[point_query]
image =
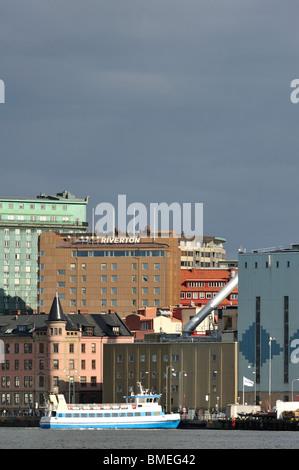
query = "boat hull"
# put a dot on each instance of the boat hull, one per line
(54, 423)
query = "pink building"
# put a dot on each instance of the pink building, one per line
(55, 353)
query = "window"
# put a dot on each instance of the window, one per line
(114, 266)
(145, 266)
(61, 272)
(114, 278)
(157, 278)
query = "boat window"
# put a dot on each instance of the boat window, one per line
(53, 413)
(76, 415)
(148, 413)
(122, 415)
(130, 414)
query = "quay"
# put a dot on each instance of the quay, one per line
(19, 421)
(259, 422)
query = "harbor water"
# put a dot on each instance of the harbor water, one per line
(173, 439)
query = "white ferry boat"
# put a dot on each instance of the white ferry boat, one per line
(139, 411)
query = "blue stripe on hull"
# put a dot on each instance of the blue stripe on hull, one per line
(169, 424)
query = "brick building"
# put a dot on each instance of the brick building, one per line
(96, 275)
(199, 286)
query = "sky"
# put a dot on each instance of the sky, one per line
(160, 100)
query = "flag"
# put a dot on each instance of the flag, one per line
(247, 382)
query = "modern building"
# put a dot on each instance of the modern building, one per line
(21, 223)
(198, 375)
(54, 353)
(268, 324)
(202, 252)
(100, 274)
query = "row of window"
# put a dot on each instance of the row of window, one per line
(22, 206)
(203, 295)
(205, 284)
(15, 398)
(114, 414)
(28, 364)
(174, 358)
(267, 264)
(33, 218)
(103, 278)
(120, 253)
(14, 348)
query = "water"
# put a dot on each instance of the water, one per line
(175, 439)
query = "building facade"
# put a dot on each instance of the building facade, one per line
(198, 375)
(21, 223)
(199, 286)
(54, 353)
(97, 275)
(202, 252)
(268, 324)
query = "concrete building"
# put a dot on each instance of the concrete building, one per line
(96, 275)
(268, 324)
(198, 375)
(54, 353)
(21, 223)
(202, 252)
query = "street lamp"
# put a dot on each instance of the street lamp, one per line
(270, 340)
(254, 372)
(181, 382)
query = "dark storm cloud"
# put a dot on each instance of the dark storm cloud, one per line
(167, 100)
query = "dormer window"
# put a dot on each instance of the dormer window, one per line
(115, 330)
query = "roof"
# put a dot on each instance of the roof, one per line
(56, 312)
(206, 274)
(98, 325)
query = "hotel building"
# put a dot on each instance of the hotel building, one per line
(100, 274)
(21, 223)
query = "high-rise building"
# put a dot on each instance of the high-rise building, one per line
(21, 223)
(100, 274)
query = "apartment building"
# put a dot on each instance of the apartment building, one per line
(54, 353)
(202, 252)
(21, 223)
(100, 274)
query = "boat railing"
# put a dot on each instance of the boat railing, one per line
(99, 406)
